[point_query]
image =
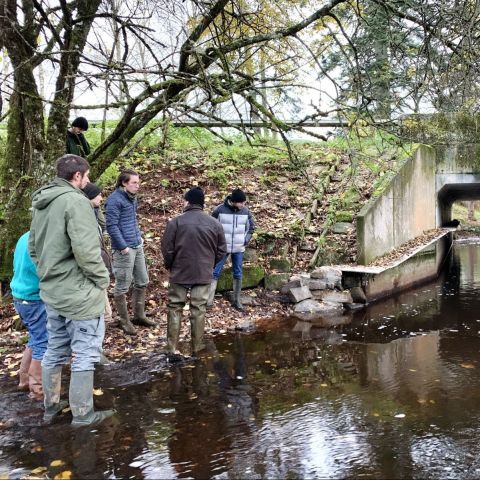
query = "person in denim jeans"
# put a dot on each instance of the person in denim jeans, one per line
(31, 309)
(128, 256)
(64, 244)
(238, 225)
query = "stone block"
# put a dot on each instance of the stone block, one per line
(297, 282)
(333, 296)
(303, 275)
(250, 255)
(322, 313)
(252, 276)
(309, 306)
(358, 295)
(342, 227)
(315, 284)
(298, 294)
(280, 265)
(330, 275)
(275, 281)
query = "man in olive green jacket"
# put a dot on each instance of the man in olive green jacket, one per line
(65, 246)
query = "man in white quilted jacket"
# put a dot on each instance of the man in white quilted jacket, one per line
(238, 225)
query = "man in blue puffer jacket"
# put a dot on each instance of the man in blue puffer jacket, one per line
(127, 246)
(238, 226)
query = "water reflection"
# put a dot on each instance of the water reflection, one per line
(393, 395)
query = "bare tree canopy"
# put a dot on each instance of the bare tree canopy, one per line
(192, 59)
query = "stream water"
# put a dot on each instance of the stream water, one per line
(394, 394)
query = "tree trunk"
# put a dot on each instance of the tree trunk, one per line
(23, 159)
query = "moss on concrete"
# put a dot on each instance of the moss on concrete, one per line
(280, 264)
(252, 276)
(275, 281)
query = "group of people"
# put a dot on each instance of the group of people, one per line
(62, 270)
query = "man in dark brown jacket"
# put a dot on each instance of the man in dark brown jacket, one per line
(191, 246)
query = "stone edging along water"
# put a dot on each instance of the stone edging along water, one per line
(329, 290)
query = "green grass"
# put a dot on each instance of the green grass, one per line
(460, 212)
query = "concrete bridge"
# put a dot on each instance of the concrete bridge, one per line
(444, 168)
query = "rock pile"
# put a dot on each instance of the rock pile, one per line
(320, 293)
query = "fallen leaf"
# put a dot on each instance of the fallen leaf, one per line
(467, 365)
(97, 391)
(65, 475)
(57, 463)
(39, 470)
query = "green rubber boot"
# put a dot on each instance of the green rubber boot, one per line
(211, 293)
(138, 304)
(123, 318)
(52, 383)
(81, 400)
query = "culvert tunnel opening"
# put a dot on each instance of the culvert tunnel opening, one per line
(459, 201)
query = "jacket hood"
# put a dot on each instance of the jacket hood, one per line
(44, 196)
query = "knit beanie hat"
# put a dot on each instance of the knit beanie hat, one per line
(91, 190)
(238, 196)
(195, 196)
(80, 122)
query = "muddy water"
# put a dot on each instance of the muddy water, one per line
(395, 394)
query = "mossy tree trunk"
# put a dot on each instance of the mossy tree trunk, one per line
(31, 152)
(25, 132)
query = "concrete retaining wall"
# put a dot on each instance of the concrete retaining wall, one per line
(422, 267)
(402, 212)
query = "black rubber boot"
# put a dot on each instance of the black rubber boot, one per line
(237, 294)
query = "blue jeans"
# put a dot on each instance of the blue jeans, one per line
(237, 260)
(80, 340)
(34, 317)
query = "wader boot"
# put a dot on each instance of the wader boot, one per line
(198, 304)
(52, 382)
(237, 294)
(138, 302)
(173, 329)
(24, 367)
(211, 293)
(122, 310)
(35, 380)
(81, 400)
(104, 360)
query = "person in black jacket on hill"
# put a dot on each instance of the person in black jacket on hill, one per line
(76, 142)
